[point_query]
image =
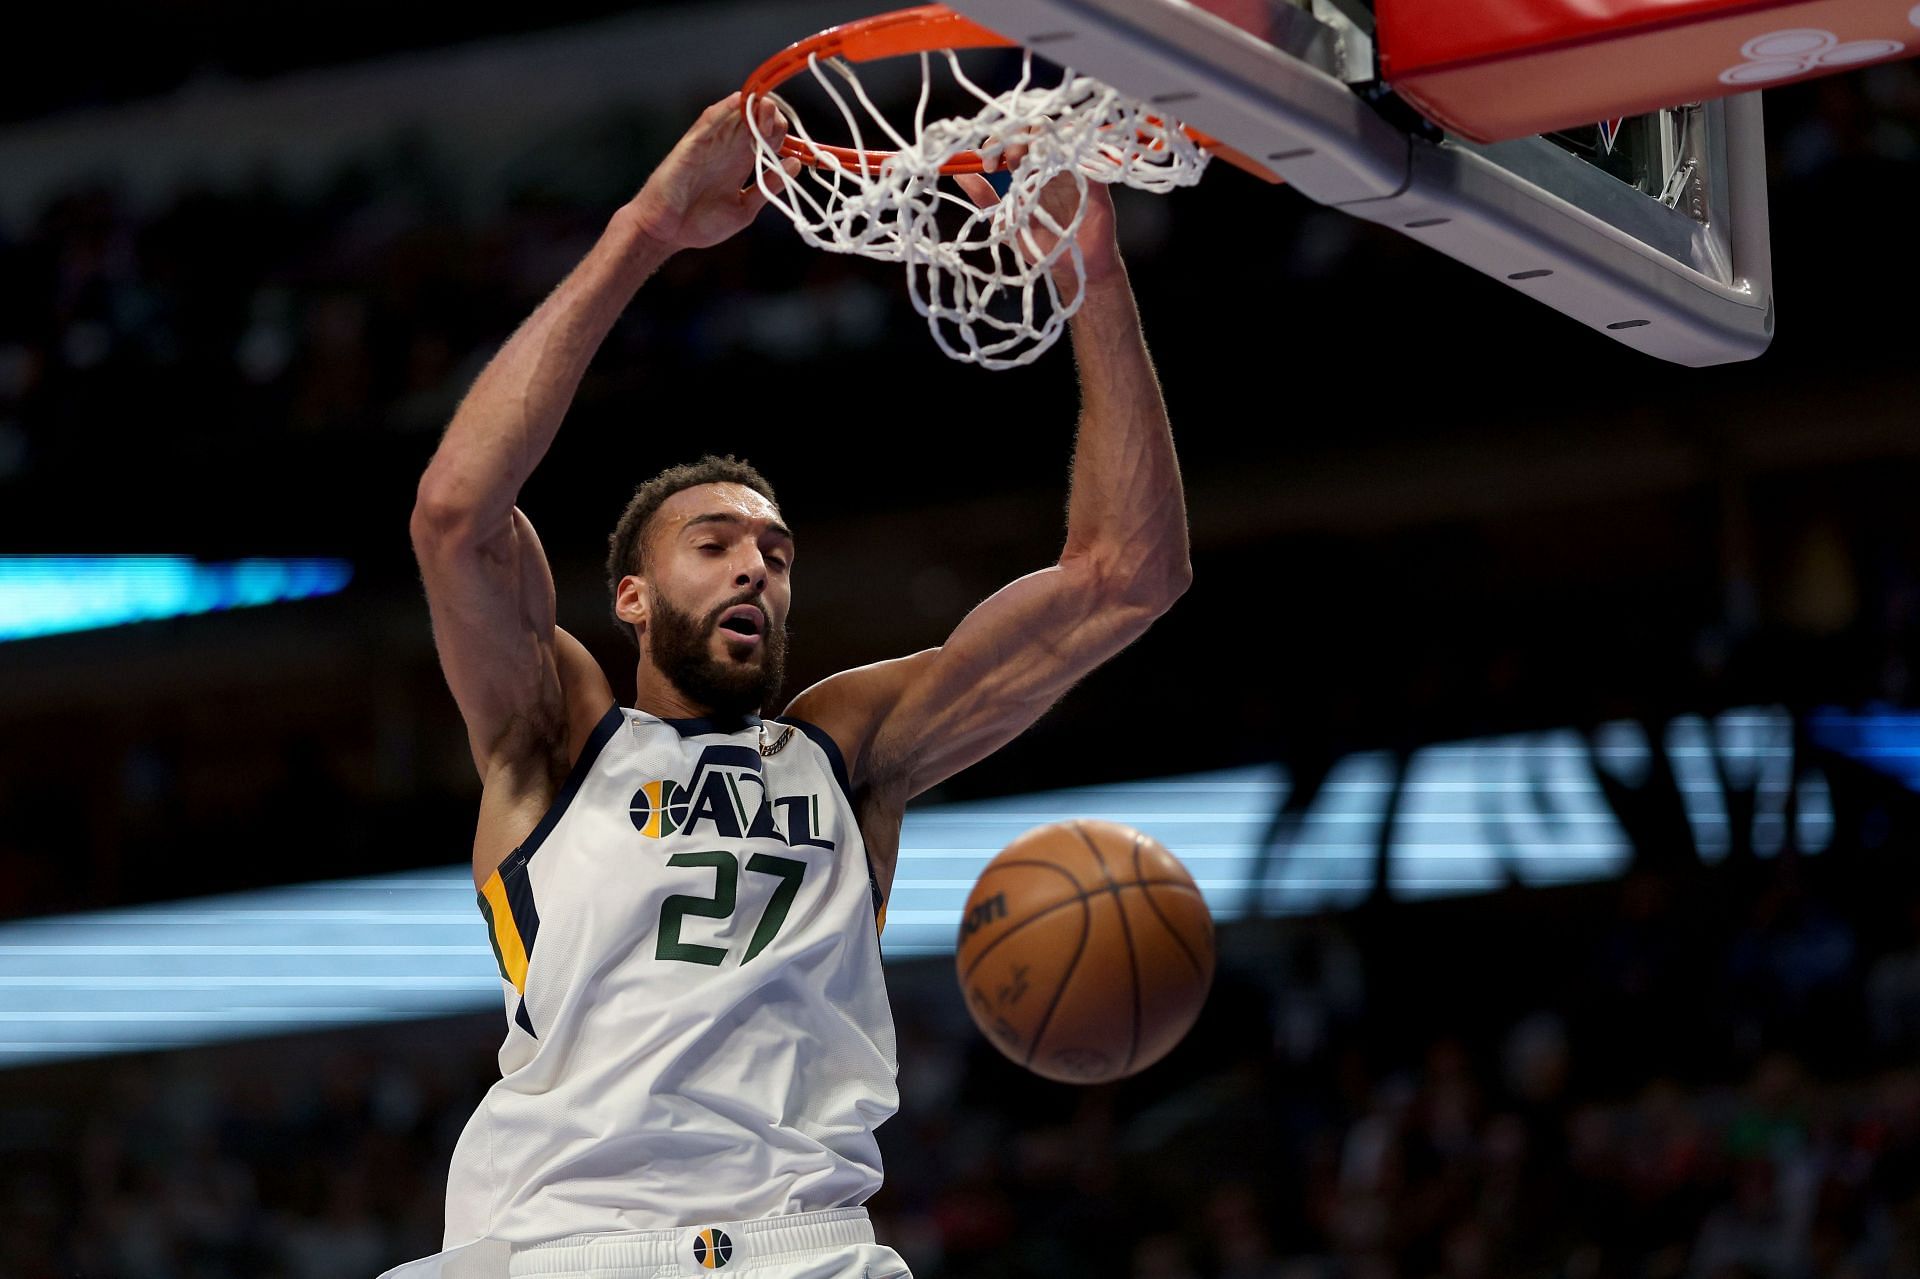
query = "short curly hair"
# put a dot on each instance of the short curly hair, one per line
(627, 548)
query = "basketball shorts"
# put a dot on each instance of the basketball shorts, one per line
(836, 1244)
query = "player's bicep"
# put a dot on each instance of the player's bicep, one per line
(1007, 662)
(491, 596)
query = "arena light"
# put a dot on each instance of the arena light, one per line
(1885, 739)
(413, 945)
(1455, 818)
(56, 594)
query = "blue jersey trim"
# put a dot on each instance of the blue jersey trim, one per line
(602, 734)
(513, 870)
(728, 724)
(832, 750)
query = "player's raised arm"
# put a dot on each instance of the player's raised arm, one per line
(489, 589)
(907, 725)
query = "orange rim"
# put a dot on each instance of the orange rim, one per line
(922, 29)
(886, 35)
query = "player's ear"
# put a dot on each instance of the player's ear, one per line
(630, 601)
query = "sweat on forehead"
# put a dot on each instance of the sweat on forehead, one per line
(712, 503)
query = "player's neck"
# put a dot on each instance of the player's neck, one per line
(656, 695)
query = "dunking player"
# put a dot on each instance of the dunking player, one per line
(684, 897)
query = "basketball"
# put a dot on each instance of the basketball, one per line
(1085, 951)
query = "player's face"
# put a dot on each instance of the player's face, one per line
(720, 582)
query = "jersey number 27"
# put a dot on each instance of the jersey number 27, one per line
(726, 881)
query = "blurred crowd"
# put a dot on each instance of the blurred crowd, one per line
(226, 316)
(1689, 1073)
(1715, 1091)
(263, 368)
(225, 313)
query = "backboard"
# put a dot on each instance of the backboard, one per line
(1650, 230)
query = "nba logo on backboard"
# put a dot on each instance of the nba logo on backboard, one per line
(712, 1249)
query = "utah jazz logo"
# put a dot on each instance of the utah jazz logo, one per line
(712, 1249)
(727, 793)
(659, 809)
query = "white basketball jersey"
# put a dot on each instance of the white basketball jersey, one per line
(698, 1026)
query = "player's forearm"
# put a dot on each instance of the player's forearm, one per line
(509, 417)
(1127, 507)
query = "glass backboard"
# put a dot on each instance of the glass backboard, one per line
(1651, 230)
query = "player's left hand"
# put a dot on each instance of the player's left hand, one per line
(1099, 249)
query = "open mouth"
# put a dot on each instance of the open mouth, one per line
(743, 621)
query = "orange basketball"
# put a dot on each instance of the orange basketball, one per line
(1085, 951)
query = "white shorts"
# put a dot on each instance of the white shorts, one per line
(836, 1244)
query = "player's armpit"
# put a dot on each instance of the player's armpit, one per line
(912, 723)
(850, 705)
(585, 688)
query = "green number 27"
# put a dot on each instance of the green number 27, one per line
(726, 880)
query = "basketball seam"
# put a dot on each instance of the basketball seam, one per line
(1027, 861)
(1081, 896)
(1159, 914)
(1086, 928)
(1126, 934)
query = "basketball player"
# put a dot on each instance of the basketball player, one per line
(684, 897)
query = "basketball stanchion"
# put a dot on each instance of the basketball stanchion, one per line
(996, 285)
(1085, 952)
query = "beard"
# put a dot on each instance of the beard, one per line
(679, 643)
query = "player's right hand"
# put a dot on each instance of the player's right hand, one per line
(703, 192)
(1061, 198)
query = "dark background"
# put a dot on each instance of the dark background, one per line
(1423, 509)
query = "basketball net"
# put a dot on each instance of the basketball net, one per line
(997, 285)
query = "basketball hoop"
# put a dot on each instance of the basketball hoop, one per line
(986, 282)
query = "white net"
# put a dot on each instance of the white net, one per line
(997, 285)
